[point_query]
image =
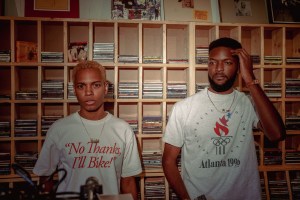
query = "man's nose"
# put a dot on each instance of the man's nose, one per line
(220, 66)
(89, 90)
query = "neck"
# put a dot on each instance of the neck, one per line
(92, 115)
(223, 92)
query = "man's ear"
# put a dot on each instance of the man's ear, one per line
(106, 83)
(74, 90)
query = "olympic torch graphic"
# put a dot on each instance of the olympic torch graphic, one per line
(221, 131)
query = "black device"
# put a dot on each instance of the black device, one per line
(33, 191)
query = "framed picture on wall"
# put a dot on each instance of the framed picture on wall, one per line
(284, 11)
(243, 11)
(131, 9)
(52, 8)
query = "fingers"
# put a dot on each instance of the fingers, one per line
(245, 62)
(240, 52)
(243, 55)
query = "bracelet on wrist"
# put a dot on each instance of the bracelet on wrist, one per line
(254, 82)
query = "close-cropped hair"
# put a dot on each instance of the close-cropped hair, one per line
(88, 64)
(225, 42)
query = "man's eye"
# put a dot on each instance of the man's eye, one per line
(97, 85)
(211, 62)
(228, 63)
(79, 86)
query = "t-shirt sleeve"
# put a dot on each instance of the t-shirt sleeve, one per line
(253, 112)
(48, 157)
(174, 129)
(132, 163)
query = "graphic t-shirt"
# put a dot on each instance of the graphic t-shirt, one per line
(68, 145)
(218, 152)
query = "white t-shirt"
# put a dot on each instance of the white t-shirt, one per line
(68, 146)
(218, 152)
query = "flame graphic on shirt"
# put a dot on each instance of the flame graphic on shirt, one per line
(221, 127)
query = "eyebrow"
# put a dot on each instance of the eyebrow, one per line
(89, 83)
(231, 59)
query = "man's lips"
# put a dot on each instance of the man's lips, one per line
(219, 77)
(90, 102)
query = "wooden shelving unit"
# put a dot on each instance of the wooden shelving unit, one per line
(166, 39)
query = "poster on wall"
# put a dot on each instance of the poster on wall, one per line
(284, 11)
(243, 11)
(136, 9)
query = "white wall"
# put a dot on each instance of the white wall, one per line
(94, 9)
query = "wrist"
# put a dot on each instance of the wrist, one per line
(253, 82)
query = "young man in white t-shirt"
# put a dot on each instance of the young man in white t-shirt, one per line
(213, 131)
(91, 142)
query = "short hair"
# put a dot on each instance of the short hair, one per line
(224, 42)
(87, 64)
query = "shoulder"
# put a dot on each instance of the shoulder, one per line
(117, 122)
(114, 119)
(191, 100)
(63, 124)
(244, 100)
(66, 120)
(243, 96)
(119, 127)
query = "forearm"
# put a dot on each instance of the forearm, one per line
(128, 185)
(270, 119)
(174, 179)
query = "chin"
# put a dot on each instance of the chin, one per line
(91, 109)
(219, 84)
